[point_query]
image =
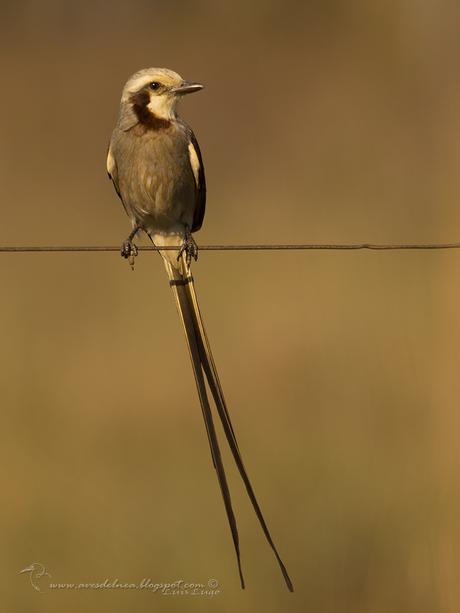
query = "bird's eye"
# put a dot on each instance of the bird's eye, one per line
(154, 85)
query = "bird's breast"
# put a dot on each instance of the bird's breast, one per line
(155, 177)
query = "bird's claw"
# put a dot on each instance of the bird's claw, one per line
(129, 251)
(190, 248)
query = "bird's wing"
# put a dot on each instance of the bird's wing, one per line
(112, 171)
(196, 163)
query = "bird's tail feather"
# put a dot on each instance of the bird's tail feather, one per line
(181, 282)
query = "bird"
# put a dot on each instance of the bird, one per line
(155, 164)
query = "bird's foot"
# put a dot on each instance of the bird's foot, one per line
(190, 248)
(129, 251)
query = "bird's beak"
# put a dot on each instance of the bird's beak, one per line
(186, 87)
(26, 570)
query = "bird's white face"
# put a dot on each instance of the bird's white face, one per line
(162, 102)
(159, 89)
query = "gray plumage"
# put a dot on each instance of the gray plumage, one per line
(155, 164)
(154, 160)
(154, 177)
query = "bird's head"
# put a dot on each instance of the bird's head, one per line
(152, 94)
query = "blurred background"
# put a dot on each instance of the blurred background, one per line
(326, 121)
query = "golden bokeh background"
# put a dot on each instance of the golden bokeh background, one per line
(322, 121)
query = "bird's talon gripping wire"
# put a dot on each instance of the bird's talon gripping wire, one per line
(129, 250)
(190, 248)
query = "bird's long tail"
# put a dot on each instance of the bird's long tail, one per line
(204, 369)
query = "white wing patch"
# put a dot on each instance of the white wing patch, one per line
(110, 163)
(194, 163)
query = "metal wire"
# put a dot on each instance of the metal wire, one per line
(262, 247)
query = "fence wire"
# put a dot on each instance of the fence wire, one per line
(259, 247)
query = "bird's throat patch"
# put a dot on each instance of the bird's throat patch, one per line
(145, 117)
